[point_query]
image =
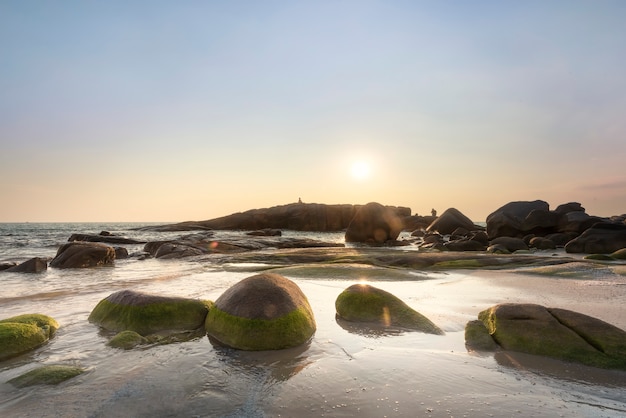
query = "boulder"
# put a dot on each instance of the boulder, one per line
(368, 304)
(262, 312)
(34, 265)
(83, 254)
(569, 207)
(465, 244)
(510, 243)
(450, 220)
(374, 224)
(577, 222)
(148, 314)
(556, 333)
(561, 238)
(46, 375)
(509, 220)
(23, 333)
(541, 243)
(121, 253)
(600, 239)
(127, 340)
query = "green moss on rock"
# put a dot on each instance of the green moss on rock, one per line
(290, 330)
(42, 321)
(17, 338)
(127, 340)
(147, 314)
(365, 303)
(46, 375)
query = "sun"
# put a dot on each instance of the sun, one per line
(360, 170)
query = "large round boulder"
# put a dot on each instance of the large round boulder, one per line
(601, 238)
(450, 220)
(23, 333)
(80, 254)
(147, 314)
(556, 333)
(263, 312)
(510, 219)
(368, 304)
(375, 224)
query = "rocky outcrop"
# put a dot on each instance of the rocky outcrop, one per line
(556, 333)
(449, 221)
(367, 304)
(34, 265)
(23, 333)
(374, 224)
(83, 254)
(263, 312)
(104, 237)
(148, 314)
(599, 239)
(295, 216)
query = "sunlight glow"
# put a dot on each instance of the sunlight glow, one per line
(360, 170)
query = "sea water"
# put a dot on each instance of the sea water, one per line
(340, 372)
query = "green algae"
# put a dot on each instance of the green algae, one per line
(290, 330)
(367, 304)
(46, 375)
(599, 257)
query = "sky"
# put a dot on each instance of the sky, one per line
(171, 111)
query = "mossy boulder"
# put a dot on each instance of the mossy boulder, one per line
(24, 333)
(146, 314)
(46, 375)
(556, 333)
(127, 340)
(262, 312)
(368, 304)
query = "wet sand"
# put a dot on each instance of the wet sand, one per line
(344, 371)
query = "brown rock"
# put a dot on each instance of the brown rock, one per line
(83, 254)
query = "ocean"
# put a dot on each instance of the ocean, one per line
(339, 373)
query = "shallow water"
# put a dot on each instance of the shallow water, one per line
(342, 372)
